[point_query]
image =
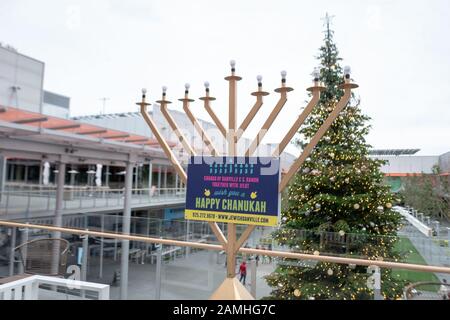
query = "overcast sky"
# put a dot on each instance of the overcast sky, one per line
(399, 52)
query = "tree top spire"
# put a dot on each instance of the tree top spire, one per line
(327, 21)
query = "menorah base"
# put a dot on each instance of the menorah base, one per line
(231, 289)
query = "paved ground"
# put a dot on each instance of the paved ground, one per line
(194, 277)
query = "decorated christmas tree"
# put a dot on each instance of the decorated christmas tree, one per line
(337, 203)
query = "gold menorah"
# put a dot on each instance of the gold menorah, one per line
(231, 288)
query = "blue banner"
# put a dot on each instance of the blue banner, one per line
(241, 190)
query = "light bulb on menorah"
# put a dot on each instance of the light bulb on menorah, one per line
(231, 288)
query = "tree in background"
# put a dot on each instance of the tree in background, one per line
(339, 198)
(428, 193)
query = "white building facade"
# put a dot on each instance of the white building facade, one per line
(21, 80)
(22, 85)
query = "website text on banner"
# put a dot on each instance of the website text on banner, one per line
(241, 190)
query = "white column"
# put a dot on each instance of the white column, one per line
(136, 177)
(115, 240)
(24, 239)
(25, 174)
(12, 252)
(41, 173)
(72, 176)
(100, 275)
(158, 272)
(84, 259)
(148, 232)
(84, 262)
(58, 214)
(188, 236)
(165, 177)
(134, 229)
(59, 197)
(2, 174)
(150, 175)
(253, 273)
(159, 176)
(107, 177)
(126, 230)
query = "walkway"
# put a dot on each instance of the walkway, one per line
(195, 277)
(33, 204)
(430, 248)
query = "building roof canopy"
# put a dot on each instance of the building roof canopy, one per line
(25, 136)
(393, 152)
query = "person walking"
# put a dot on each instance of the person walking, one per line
(257, 256)
(269, 248)
(243, 272)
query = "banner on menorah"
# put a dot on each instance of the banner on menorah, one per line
(241, 190)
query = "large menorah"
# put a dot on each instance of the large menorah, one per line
(232, 288)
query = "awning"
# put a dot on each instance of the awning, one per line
(18, 116)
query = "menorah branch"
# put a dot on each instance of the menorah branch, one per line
(232, 112)
(207, 99)
(270, 120)
(244, 236)
(198, 127)
(213, 116)
(169, 154)
(219, 235)
(301, 119)
(176, 130)
(251, 115)
(316, 138)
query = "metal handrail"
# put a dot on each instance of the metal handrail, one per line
(29, 244)
(272, 253)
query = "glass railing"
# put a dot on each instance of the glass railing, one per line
(29, 203)
(178, 272)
